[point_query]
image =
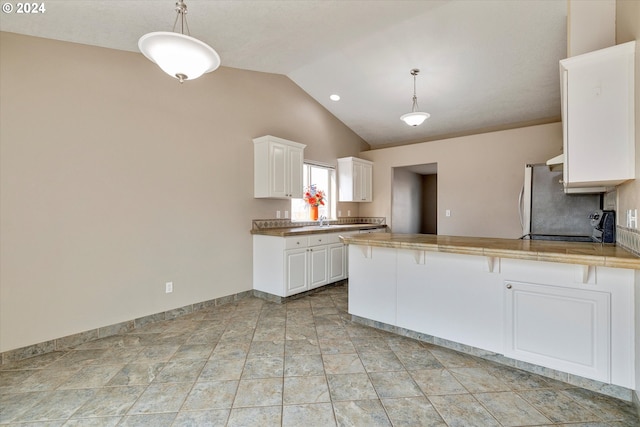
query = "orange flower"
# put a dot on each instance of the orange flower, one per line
(313, 196)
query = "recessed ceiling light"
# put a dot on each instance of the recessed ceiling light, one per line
(334, 97)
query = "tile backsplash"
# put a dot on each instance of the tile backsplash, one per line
(261, 224)
(628, 238)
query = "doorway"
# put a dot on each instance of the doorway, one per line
(414, 204)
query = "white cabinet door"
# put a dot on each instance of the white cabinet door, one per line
(598, 118)
(357, 181)
(372, 283)
(318, 266)
(366, 176)
(296, 271)
(560, 328)
(295, 157)
(337, 262)
(355, 178)
(278, 166)
(278, 179)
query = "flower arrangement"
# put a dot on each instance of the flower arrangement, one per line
(313, 196)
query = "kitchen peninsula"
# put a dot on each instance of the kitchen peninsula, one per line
(562, 309)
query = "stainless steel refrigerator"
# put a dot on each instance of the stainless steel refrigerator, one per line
(547, 213)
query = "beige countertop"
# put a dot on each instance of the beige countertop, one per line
(315, 229)
(592, 254)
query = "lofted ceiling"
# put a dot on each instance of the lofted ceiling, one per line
(485, 64)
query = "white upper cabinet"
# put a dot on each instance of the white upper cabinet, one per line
(355, 178)
(598, 118)
(277, 168)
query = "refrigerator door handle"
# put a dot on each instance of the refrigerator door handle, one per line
(521, 206)
(525, 202)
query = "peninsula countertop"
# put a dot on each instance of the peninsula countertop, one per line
(591, 254)
(316, 229)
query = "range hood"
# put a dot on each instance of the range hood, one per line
(556, 163)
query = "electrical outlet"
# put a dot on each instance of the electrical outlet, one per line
(277, 214)
(447, 212)
(286, 214)
(348, 213)
(168, 287)
(339, 214)
(632, 218)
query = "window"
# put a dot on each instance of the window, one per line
(324, 178)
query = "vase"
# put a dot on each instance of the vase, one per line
(313, 213)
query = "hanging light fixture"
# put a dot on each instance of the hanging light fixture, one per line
(414, 118)
(178, 54)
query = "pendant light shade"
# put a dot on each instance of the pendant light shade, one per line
(414, 118)
(179, 55)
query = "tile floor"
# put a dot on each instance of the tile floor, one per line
(302, 363)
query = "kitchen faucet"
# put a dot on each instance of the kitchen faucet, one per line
(321, 220)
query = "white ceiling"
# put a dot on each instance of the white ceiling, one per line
(484, 64)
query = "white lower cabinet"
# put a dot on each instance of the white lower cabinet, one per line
(564, 328)
(296, 267)
(337, 262)
(318, 266)
(285, 266)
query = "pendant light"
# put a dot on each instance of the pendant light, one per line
(414, 118)
(178, 54)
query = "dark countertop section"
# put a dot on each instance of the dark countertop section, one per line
(590, 254)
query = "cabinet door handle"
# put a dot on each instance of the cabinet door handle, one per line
(508, 286)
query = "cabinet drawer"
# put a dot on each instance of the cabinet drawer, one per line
(296, 242)
(323, 239)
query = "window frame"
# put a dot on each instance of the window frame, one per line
(300, 210)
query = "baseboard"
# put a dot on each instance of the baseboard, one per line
(611, 390)
(281, 300)
(74, 340)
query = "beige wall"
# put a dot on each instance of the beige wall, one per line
(627, 29)
(479, 177)
(116, 179)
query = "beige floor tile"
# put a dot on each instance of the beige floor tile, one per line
(351, 387)
(412, 412)
(308, 415)
(361, 413)
(342, 363)
(510, 409)
(437, 382)
(259, 392)
(463, 410)
(269, 416)
(558, 407)
(300, 390)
